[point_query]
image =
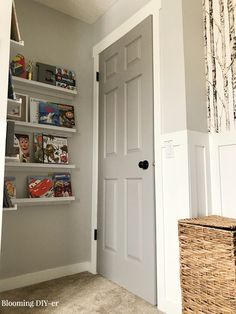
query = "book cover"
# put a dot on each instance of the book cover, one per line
(34, 109)
(22, 147)
(48, 113)
(55, 149)
(46, 73)
(62, 185)
(11, 91)
(18, 110)
(38, 147)
(40, 186)
(65, 78)
(10, 183)
(9, 148)
(67, 115)
(6, 198)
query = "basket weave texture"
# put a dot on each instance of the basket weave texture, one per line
(207, 265)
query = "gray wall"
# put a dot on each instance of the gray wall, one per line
(173, 99)
(115, 16)
(194, 65)
(183, 104)
(40, 238)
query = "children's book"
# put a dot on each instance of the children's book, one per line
(62, 185)
(55, 149)
(42, 186)
(9, 147)
(65, 78)
(38, 147)
(10, 184)
(67, 116)
(34, 109)
(22, 147)
(48, 113)
(11, 90)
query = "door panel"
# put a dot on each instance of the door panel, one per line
(132, 117)
(133, 219)
(126, 214)
(110, 215)
(110, 122)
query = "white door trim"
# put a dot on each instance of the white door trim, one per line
(152, 8)
(5, 18)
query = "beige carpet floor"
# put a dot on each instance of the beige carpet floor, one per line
(82, 293)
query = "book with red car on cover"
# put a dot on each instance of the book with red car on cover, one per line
(62, 185)
(40, 186)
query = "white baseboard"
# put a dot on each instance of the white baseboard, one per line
(41, 276)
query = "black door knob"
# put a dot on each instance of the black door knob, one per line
(143, 164)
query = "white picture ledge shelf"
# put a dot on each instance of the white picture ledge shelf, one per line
(21, 166)
(42, 88)
(13, 102)
(17, 44)
(43, 201)
(10, 209)
(31, 127)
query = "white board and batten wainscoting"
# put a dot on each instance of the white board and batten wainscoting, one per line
(223, 173)
(184, 191)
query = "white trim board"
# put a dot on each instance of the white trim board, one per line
(5, 18)
(223, 170)
(184, 186)
(152, 8)
(41, 276)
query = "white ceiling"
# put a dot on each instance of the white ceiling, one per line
(86, 10)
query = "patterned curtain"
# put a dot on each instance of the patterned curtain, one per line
(220, 59)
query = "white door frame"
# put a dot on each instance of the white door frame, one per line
(152, 8)
(5, 18)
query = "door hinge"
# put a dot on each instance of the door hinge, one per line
(97, 76)
(95, 234)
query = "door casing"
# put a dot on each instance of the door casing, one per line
(152, 8)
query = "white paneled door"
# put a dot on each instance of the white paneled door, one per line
(126, 213)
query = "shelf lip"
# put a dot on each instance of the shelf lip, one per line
(43, 200)
(24, 165)
(11, 159)
(55, 129)
(17, 43)
(6, 209)
(12, 101)
(21, 81)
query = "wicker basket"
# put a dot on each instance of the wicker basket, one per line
(207, 258)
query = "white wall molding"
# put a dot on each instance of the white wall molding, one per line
(41, 276)
(223, 173)
(199, 167)
(183, 192)
(5, 18)
(173, 204)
